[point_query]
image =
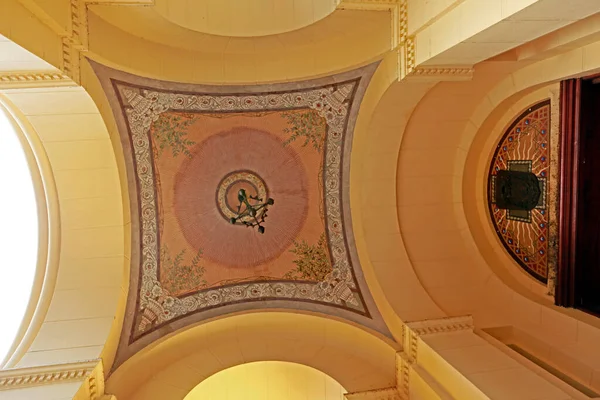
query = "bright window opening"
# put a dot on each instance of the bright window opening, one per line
(265, 380)
(18, 233)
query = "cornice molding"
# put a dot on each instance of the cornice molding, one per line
(442, 325)
(368, 5)
(445, 73)
(390, 393)
(11, 379)
(407, 359)
(18, 79)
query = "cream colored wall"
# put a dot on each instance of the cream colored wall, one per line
(466, 32)
(88, 284)
(269, 380)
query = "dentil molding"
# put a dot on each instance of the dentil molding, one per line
(11, 379)
(377, 394)
(25, 79)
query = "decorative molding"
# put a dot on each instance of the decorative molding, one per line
(411, 331)
(445, 73)
(78, 28)
(93, 386)
(9, 80)
(403, 366)
(368, 5)
(11, 379)
(402, 21)
(407, 57)
(390, 393)
(70, 59)
(442, 325)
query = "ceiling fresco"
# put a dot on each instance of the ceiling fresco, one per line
(520, 190)
(189, 151)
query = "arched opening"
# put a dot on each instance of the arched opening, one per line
(169, 370)
(19, 234)
(268, 380)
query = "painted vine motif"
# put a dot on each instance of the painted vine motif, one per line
(312, 262)
(307, 125)
(170, 130)
(180, 276)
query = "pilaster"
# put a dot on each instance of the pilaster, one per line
(406, 46)
(407, 360)
(93, 386)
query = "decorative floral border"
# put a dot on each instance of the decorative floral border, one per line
(156, 306)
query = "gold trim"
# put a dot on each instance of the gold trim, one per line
(446, 73)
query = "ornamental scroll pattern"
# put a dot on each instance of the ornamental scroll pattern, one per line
(144, 106)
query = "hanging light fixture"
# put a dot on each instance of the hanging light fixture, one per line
(252, 211)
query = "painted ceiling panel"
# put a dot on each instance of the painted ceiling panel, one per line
(191, 150)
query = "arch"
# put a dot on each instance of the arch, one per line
(268, 379)
(373, 191)
(491, 248)
(358, 360)
(245, 18)
(48, 234)
(79, 294)
(524, 147)
(443, 245)
(294, 55)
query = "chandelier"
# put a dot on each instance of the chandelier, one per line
(252, 211)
